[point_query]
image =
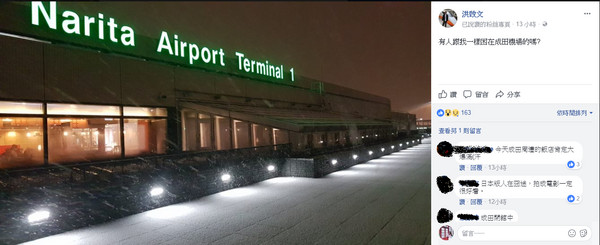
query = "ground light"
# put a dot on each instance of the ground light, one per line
(392, 147)
(38, 216)
(382, 149)
(400, 144)
(407, 143)
(413, 141)
(334, 162)
(225, 177)
(271, 168)
(354, 156)
(370, 153)
(156, 191)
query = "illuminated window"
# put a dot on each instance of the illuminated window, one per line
(241, 136)
(21, 142)
(280, 136)
(336, 139)
(197, 131)
(222, 133)
(83, 139)
(322, 140)
(345, 140)
(8, 107)
(263, 135)
(145, 136)
(144, 112)
(83, 110)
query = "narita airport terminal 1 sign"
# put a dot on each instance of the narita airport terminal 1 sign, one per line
(50, 21)
(213, 56)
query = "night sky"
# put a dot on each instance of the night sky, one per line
(380, 48)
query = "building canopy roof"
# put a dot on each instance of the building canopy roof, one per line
(293, 119)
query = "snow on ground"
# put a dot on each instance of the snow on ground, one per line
(383, 201)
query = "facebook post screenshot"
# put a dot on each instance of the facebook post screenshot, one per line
(514, 123)
(214, 122)
(299, 122)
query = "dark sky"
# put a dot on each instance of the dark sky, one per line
(381, 48)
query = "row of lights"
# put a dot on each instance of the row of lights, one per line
(37, 217)
(28, 134)
(224, 177)
(354, 156)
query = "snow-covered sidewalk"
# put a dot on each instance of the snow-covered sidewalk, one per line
(383, 201)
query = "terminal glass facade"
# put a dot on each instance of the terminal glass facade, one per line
(145, 136)
(241, 134)
(72, 139)
(77, 133)
(21, 142)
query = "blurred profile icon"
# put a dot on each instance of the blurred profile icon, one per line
(445, 149)
(446, 232)
(444, 184)
(448, 18)
(444, 215)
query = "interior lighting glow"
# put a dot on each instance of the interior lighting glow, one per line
(271, 168)
(370, 153)
(334, 162)
(354, 156)
(382, 149)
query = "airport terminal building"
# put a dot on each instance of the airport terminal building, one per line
(98, 110)
(78, 84)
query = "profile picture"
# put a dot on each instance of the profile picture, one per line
(448, 18)
(445, 149)
(444, 184)
(446, 232)
(444, 215)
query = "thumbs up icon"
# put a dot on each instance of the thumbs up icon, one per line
(443, 94)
